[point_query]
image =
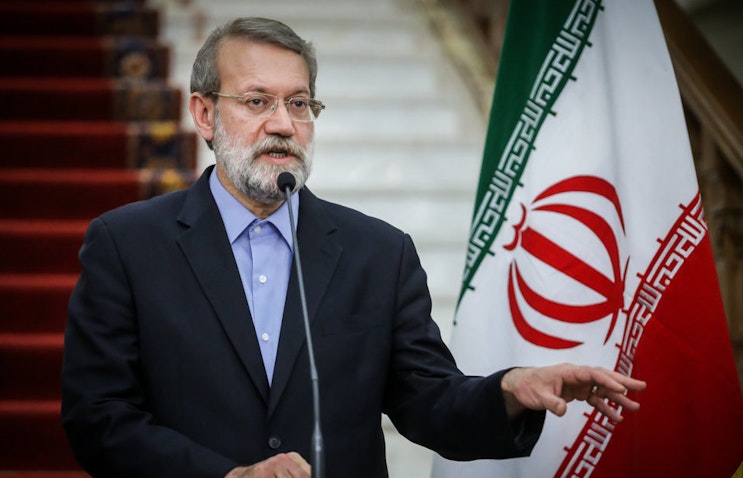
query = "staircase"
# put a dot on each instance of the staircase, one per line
(401, 138)
(89, 122)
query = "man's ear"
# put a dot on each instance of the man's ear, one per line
(202, 112)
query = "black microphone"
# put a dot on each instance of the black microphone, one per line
(286, 184)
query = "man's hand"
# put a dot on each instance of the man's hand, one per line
(289, 465)
(551, 388)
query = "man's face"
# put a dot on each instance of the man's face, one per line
(253, 151)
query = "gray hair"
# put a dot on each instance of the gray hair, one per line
(205, 75)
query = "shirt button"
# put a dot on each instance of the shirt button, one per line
(274, 442)
(265, 337)
(262, 279)
(257, 229)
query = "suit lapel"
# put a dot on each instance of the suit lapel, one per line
(320, 255)
(204, 243)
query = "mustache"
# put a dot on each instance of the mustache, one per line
(278, 144)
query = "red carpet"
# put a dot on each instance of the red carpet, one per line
(96, 144)
(89, 122)
(88, 100)
(75, 57)
(77, 19)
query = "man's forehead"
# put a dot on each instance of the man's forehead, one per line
(243, 55)
(242, 45)
(243, 63)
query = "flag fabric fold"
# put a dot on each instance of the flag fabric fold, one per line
(588, 245)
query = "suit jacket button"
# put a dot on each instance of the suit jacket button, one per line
(274, 442)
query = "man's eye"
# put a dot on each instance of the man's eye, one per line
(298, 103)
(256, 102)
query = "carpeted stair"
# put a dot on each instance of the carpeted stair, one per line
(88, 122)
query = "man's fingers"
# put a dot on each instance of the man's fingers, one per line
(624, 401)
(297, 458)
(552, 387)
(634, 384)
(616, 400)
(606, 390)
(617, 393)
(602, 406)
(284, 465)
(617, 382)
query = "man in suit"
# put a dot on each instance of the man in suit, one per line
(185, 352)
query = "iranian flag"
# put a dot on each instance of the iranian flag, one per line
(589, 245)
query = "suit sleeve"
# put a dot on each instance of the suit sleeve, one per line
(104, 405)
(430, 401)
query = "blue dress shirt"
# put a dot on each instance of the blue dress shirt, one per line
(263, 250)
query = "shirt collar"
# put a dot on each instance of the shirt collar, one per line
(237, 217)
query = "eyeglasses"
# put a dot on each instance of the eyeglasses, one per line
(263, 105)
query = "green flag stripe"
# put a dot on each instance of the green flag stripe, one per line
(539, 55)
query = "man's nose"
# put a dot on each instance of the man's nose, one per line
(280, 122)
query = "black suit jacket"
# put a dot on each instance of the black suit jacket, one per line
(163, 376)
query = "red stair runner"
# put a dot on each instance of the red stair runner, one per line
(76, 18)
(88, 123)
(96, 144)
(77, 57)
(88, 100)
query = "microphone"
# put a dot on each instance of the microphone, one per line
(286, 183)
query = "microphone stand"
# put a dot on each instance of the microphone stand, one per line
(286, 182)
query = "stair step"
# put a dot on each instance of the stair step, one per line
(419, 167)
(76, 19)
(76, 194)
(88, 100)
(381, 37)
(103, 2)
(76, 57)
(43, 474)
(34, 246)
(390, 120)
(34, 303)
(80, 194)
(298, 10)
(102, 144)
(31, 365)
(34, 436)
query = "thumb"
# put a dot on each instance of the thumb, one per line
(556, 405)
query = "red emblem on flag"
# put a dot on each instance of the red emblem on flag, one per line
(533, 239)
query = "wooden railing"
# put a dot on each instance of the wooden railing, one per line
(472, 32)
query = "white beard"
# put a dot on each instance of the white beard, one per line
(257, 179)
